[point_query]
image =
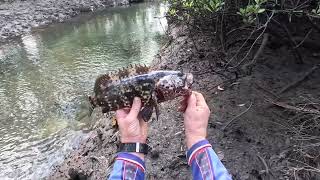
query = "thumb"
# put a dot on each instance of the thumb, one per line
(136, 106)
(192, 101)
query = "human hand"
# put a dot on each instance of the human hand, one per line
(196, 117)
(131, 128)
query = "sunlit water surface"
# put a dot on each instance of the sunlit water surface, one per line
(45, 76)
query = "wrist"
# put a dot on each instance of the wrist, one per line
(140, 155)
(190, 141)
(133, 139)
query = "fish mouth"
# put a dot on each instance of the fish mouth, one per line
(188, 81)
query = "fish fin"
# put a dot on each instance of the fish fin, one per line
(101, 81)
(121, 74)
(114, 122)
(146, 113)
(142, 69)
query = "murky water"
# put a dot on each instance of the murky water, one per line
(45, 76)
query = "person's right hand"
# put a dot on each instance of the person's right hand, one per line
(196, 117)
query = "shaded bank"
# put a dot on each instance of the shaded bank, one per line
(19, 17)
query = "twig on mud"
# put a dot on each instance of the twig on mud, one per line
(299, 109)
(178, 133)
(306, 166)
(228, 80)
(237, 29)
(116, 134)
(260, 50)
(266, 90)
(242, 113)
(264, 163)
(298, 81)
(304, 39)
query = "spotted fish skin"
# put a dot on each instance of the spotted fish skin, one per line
(117, 90)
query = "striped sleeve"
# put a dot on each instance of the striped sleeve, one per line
(128, 167)
(205, 163)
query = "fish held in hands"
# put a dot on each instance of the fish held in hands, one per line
(117, 90)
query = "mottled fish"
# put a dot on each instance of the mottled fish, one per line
(117, 90)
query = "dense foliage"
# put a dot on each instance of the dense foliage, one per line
(248, 10)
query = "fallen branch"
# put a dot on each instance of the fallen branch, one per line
(259, 52)
(298, 81)
(242, 113)
(293, 108)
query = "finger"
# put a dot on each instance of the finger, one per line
(192, 101)
(136, 107)
(144, 127)
(122, 113)
(200, 99)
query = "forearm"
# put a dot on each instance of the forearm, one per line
(128, 166)
(205, 163)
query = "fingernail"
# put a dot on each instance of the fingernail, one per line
(136, 99)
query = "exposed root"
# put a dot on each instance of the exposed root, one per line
(293, 108)
(258, 53)
(299, 80)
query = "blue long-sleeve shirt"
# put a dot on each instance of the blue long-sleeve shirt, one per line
(204, 163)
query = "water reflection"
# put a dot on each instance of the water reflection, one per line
(45, 77)
(30, 45)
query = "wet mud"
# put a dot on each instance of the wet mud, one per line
(21, 17)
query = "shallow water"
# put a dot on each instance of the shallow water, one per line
(45, 77)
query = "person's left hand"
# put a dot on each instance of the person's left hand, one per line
(132, 129)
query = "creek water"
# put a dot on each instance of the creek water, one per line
(45, 77)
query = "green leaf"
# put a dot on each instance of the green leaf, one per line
(261, 10)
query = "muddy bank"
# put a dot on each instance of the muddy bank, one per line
(19, 17)
(254, 135)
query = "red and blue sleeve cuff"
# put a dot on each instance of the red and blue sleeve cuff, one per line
(132, 159)
(195, 148)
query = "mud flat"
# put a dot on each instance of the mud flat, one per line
(20, 17)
